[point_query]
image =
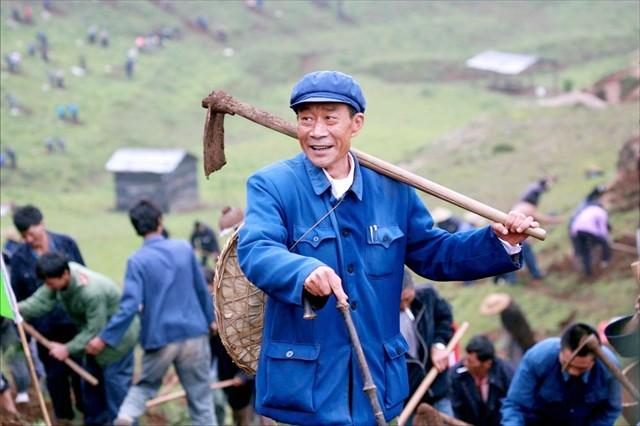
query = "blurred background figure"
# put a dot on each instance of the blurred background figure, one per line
(230, 219)
(445, 219)
(426, 324)
(478, 384)
(518, 336)
(241, 393)
(204, 241)
(528, 205)
(589, 230)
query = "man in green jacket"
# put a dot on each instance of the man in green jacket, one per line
(90, 299)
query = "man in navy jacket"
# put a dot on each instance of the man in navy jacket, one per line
(56, 326)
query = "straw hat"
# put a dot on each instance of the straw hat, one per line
(495, 303)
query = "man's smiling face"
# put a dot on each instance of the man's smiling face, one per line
(324, 132)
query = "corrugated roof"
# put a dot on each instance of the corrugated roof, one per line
(502, 62)
(147, 160)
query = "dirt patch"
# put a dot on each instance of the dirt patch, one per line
(624, 191)
(30, 413)
(619, 264)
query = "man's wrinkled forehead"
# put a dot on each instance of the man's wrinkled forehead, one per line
(322, 106)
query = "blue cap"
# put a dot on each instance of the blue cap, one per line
(328, 86)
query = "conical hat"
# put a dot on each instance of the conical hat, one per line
(495, 303)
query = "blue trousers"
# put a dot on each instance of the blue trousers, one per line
(103, 401)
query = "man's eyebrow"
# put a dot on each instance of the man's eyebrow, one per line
(330, 107)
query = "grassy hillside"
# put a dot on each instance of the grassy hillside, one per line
(424, 110)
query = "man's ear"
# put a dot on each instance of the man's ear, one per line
(357, 124)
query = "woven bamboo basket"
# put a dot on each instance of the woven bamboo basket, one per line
(239, 309)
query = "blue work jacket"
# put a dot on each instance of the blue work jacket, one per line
(308, 372)
(542, 394)
(164, 285)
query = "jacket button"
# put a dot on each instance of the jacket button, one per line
(354, 305)
(385, 239)
(350, 268)
(289, 354)
(345, 232)
(316, 238)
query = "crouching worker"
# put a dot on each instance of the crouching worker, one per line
(553, 387)
(90, 299)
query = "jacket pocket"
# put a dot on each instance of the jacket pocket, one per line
(314, 242)
(396, 379)
(381, 249)
(291, 371)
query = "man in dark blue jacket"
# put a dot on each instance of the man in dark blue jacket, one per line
(549, 388)
(323, 227)
(478, 384)
(55, 326)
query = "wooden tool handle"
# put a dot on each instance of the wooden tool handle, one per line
(219, 101)
(71, 363)
(429, 378)
(161, 399)
(593, 344)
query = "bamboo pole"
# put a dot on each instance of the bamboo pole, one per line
(181, 393)
(220, 102)
(429, 378)
(32, 371)
(71, 363)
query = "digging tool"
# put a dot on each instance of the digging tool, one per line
(426, 415)
(592, 343)
(32, 371)
(181, 393)
(71, 363)
(369, 387)
(623, 248)
(219, 103)
(429, 378)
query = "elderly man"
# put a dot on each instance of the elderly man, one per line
(550, 388)
(321, 227)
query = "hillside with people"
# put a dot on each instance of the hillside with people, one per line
(83, 83)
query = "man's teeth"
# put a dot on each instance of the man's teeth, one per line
(320, 147)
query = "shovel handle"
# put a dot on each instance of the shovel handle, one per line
(219, 101)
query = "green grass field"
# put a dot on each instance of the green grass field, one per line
(402, 53)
